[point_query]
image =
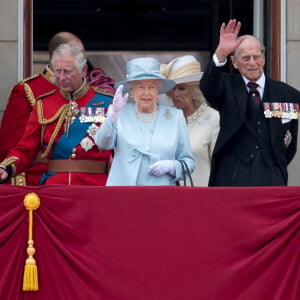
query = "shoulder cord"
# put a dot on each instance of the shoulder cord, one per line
(60, 115)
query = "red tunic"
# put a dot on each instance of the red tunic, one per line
(18, 108)
(30, 144)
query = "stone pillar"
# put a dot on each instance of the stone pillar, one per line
(293, 72)
(8, 48)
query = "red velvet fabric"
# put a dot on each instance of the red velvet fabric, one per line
(153, 243)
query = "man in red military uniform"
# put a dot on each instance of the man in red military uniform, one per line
(62, 125)
(19, 105)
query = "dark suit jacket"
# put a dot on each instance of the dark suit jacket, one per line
(228, 94)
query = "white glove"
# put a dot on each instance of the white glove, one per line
(119, 102)
(162, 167)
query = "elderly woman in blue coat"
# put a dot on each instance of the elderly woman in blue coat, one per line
(148, 138)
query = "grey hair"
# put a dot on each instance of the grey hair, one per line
(72, 50)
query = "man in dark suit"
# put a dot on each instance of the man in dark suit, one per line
(258, 125)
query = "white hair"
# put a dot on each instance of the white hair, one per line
(72, 50)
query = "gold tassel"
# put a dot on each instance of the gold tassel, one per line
(30, 279)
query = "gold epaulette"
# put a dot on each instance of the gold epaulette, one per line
(28, 92)
(27, 89)
(100, 91)
(46, 94)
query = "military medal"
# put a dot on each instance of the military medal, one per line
(283, 110)
(92, 115)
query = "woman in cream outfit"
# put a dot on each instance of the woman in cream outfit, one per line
(202, 120)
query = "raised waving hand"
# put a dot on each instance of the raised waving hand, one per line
(229, 39)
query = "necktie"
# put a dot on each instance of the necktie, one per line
(253, 94)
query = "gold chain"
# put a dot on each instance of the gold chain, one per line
(61, 114)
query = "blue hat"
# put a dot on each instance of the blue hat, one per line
(145, 68)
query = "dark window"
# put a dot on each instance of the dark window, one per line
(135, 25)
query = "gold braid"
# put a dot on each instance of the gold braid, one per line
(60, 115)
(29, 94)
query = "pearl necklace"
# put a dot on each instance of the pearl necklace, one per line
(193, 118)
(146, 117)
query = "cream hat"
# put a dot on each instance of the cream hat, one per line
(182, 69)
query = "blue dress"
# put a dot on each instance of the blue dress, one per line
(137, 145)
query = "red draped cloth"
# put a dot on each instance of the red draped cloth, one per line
(158, 243)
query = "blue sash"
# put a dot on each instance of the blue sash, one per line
(77, 131)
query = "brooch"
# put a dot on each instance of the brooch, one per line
(87, 144)
(168, 114)
(92, 130)
(287, 138)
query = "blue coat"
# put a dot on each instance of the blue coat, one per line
(135, 147)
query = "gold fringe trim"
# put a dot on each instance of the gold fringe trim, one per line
(30, 278)
(19, 83)
(29, 94)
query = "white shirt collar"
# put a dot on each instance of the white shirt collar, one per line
(261, 81)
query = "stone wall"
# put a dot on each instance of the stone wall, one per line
(8, 48)
(293, 72)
